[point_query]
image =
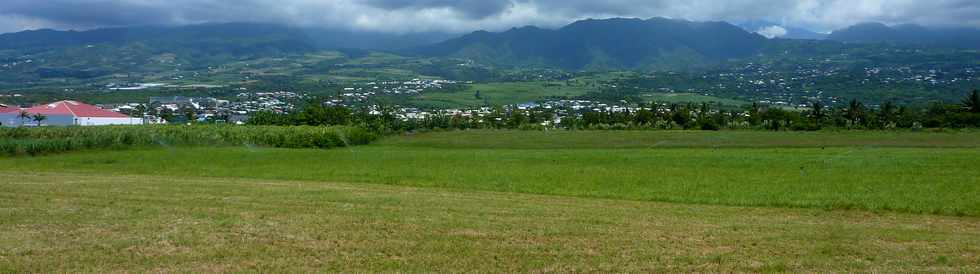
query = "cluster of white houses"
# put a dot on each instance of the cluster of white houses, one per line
(63, 113)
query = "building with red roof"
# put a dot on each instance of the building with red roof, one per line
(68, 113)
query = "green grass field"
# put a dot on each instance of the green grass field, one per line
(690, 98)
(507, 201)
(500, 94)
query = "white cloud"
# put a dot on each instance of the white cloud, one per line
(772, 32)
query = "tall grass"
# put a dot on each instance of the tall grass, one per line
(36, 141)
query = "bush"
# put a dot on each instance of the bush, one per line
(37, 141)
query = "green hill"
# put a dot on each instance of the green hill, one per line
(609, 43)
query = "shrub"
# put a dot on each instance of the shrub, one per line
(37, 141)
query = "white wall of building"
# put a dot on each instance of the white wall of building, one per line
(99, 121)
(11, 120)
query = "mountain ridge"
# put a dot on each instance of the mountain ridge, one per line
(909, 35)
(596, 43)
(292, 38)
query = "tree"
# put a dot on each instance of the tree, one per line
(703, 112)
(682, 117)
(936, 115)
(190, 114)
(889, 115)
(972, 102)
(38, 118)
(592, 118)
(23, 116)
(818, 111)
(167, 115)
(139, 111)
(644, 117)
(755, 114)
(855, 112)
(517, 118)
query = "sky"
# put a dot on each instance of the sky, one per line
(405, 16)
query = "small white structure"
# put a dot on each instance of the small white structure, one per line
(67, 113)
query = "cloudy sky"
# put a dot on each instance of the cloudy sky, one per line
(469, 15)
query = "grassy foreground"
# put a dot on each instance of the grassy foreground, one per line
(564, 139)
(917, 173)
(63, 222)
(471, 201)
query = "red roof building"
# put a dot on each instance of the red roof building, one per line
(68, 113)
(75, 109)
(7, 109)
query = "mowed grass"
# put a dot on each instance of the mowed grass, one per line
(932, 173)
(65, 222)
(501, 94)
(564, 139)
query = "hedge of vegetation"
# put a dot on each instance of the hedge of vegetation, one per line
(35, 141)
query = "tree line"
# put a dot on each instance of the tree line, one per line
(704, 116)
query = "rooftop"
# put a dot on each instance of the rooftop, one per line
(74, 108)
(6, 108)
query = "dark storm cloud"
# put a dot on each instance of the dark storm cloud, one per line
(83, 13)
(471, 8)
(467, 15)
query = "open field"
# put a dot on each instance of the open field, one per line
(506, 201)
(690, 98)
(65, 222)
(501, 94)
(563, 139)
(906, 172)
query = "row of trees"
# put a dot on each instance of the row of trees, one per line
(854, 115)
(36, 118)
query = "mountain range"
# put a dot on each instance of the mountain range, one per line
(909, 35)
(656, 43)
(608, 43)
(234, 38)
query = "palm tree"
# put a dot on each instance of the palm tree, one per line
(888, 114)
(23, 115)
(855, 112)
(818, 111)
(140, 110)
(972, 102)
(39, 118)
